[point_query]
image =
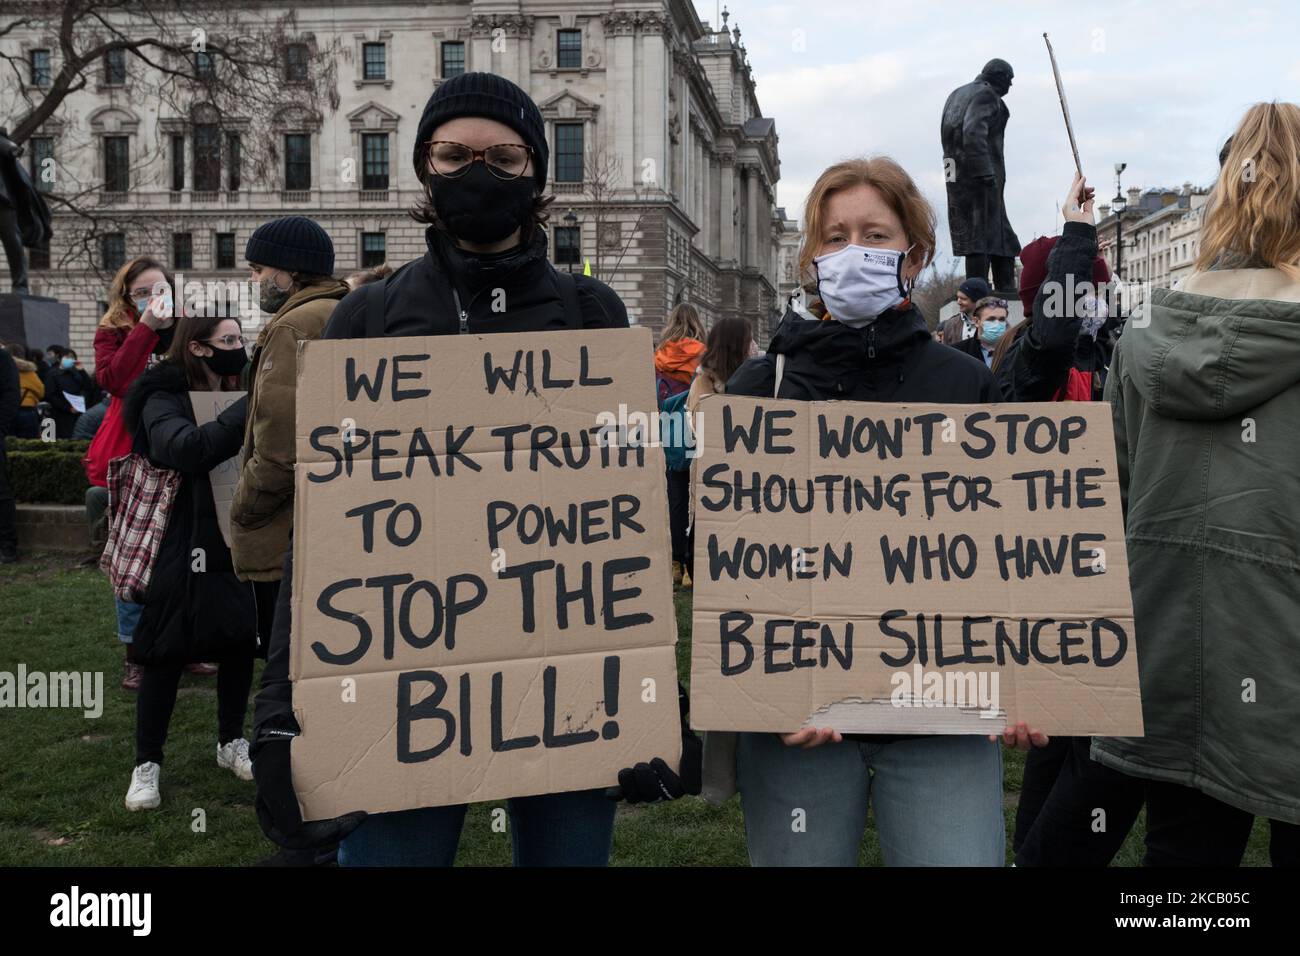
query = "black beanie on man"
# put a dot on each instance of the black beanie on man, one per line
(490, 96)
(293, 244)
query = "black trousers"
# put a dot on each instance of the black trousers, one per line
(157, 699)
(1004, 272)
(264, 596)
(679, 506)
(8, 507)
(1187, 828)
(1078, 816)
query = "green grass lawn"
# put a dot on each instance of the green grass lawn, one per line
(63, 776)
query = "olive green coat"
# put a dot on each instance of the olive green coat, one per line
(1205, 391)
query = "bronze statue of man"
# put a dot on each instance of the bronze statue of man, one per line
(24, 216)
(974, 120)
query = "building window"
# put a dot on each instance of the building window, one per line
(567, 245)
(117, 174)
(178, 162)
(225, 250)
(205, 67)
(297, 161)
(568, 54)
(207, 158)
(374, 62)
(42, 156)
(233, 157)
(374, 160)
(42, 71)
(38, 257)
(295, 63)
(182, 250)
(568, 152)
(115, 68)
(112, 251)
(453, 59)
(374, 250)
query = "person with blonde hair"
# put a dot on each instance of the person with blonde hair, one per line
(681, 347)
(138, 324)
(1205, 393)
(937, 798)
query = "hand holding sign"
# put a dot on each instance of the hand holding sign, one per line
(1021, 737)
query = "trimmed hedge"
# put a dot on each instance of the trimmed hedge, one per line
(47, 472)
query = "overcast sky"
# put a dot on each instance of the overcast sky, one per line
(1157, 85)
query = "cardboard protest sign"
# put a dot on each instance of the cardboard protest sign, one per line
(910, 569)
(225, 477)
(482, 596)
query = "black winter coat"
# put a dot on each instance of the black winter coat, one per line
(189, 615)
(972, 347)
(1037, 361)
(892, 360)
(974, 122)
(421, 299)
(70, 381)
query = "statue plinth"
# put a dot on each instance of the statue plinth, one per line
(33, 320)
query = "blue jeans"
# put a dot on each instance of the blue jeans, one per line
(555, 829)
(128, 616)
(938, 801)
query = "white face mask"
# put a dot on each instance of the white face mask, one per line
(857, 284)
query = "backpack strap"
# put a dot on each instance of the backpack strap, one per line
(375, 311)
(569, 298)
(780, 371)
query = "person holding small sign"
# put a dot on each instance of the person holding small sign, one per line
(938, 798)
(195, 609)
(481, 155)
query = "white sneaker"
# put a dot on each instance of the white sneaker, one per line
(234, 757)
(144, 794)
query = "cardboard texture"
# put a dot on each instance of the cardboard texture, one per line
(476, 615)
(225, 477)
(834, 642)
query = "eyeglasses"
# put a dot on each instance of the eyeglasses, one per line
(227, 341)
(504, 161)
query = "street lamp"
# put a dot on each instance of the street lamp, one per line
(1119, 204)
(571, 220)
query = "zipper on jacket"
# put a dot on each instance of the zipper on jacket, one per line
(464, 316)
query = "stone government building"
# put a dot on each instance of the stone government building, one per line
(663, 167)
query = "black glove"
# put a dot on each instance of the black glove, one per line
(655, 781)
(277, 807)
(236, 416)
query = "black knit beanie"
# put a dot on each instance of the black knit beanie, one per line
(292, 243)
(492, 96)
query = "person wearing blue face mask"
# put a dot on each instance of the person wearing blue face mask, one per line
(937, 798)
(69, 392)
(990, 315)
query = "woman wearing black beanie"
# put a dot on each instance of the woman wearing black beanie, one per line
(481, 156)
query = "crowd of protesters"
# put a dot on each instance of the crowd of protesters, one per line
(1200, 505)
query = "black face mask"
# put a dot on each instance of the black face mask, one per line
(165, 337)
(227, 361)
(479, 207)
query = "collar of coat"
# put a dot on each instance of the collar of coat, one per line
(330, 289)
(470, 273)
(840, 347)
